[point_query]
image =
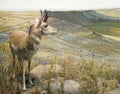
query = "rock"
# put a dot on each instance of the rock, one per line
(71, 87)
(41, 71)
(116, 91)
(33, 90)
(59, 86)
(43, 92)
(3, 37)
(56, 85)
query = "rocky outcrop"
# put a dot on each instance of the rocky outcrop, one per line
(83, 18)
(55, 85)
(60, 86)
(116, 91)
(71, 87)
(42, 70)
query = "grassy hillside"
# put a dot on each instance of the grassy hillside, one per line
(107, 28)
(110, 12)
(87, 46)
(73, 37)
(93, 77)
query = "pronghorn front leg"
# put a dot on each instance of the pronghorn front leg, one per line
(23, 75)
(13, 67)
(29, 76)
(19, 59)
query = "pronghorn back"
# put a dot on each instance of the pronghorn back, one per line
(18, 39)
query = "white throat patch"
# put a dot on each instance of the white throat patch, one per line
(36, 38)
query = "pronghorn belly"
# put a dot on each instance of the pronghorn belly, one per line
(26, 54)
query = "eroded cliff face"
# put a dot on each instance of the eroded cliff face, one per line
(83, 18)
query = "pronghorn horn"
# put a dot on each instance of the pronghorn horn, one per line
(46, 16)
(45, 12)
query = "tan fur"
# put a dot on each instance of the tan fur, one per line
(18, 39)
(25, 45)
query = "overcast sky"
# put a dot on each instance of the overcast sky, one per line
(58, 4)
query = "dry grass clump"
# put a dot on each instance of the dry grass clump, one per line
(7, 85)
(93, 77)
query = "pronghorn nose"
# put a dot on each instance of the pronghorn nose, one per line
(54, 33)
(57, 30)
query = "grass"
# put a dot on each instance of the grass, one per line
(93, 77)
(110, 12)
(107, 28)
(11, 21)
(7, 84)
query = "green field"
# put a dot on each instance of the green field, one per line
(107, 28)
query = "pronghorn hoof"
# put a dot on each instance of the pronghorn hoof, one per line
(31, 83)
(29, 86)
(24, 89)
(13, 77)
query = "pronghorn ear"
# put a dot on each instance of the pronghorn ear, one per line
(41, 13)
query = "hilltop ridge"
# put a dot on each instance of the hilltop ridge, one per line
(83, 18)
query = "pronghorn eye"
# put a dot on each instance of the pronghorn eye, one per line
(46, 26)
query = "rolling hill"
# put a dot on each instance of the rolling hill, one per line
(81, 33)
(110, 12)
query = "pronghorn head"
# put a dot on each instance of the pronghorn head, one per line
(41, 26)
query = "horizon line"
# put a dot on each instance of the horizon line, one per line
(57, 9)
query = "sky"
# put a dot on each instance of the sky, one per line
(58, 4)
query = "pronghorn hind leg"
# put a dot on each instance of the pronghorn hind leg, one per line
(29, 76)
(13, 75)
(19, 61)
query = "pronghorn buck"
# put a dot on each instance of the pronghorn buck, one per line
(25, 45)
